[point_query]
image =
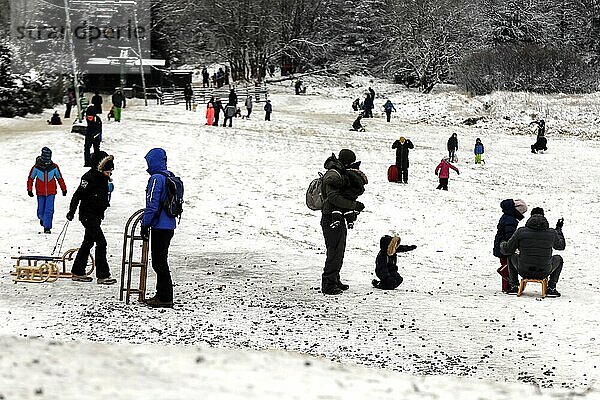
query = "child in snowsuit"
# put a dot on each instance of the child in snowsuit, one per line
(443, 171)
(512, 212)
(47, 174)
(356, 187)
(386, 268)
(479, 150)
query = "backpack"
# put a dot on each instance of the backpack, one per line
(314, 193)
(173, 203)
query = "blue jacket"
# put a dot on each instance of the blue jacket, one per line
(156, 192)
(479, 148)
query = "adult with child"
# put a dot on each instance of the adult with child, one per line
(119, 102)
(513, 211)
(386, 267)
(159, 226)
(452, 147)
(443, 172)
(45, 174)
(402, 146)
(334, 184)
(92, 198)
(534, 260)
(93, 134)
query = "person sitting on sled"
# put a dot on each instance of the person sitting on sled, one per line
(386, 267)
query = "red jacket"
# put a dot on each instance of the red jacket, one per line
(46, 179)
(444, 169)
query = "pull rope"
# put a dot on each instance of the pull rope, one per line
(62, 233)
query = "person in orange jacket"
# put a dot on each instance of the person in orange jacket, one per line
(46, 174)
(210, 112)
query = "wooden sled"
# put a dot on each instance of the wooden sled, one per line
(39, 269)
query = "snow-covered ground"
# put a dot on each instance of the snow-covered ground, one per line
(247, 256)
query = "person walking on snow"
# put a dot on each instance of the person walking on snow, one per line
(443, 171)
(188, 93)
(229, 113)
(479, 150)
(513, 211)
(93, 194)
(119, 102)
(452, 147)
(402, 147)
(45, 173)
(248, 105)
(534, 260)
(93, 135)
(268, 110)
(158, 226)
(386, 267)
(388, 107)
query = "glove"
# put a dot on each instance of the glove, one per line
(145, 233)
(458, 172)
(70, 215)
(64, 192)
(30, 193)
(412, 247)
(559, 224)
(436, 173)
(359, 206)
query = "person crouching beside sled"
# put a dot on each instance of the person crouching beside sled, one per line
(386, 268)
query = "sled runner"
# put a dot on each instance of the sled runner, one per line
(392, 173)
(40, 269)
(129, 251)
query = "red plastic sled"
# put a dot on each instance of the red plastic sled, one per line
(392, 173)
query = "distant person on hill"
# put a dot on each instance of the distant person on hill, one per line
(443, 171)
(188, 93)
(452, 146)
(229, 113)
(210, 112)
(249, 106)
(298, 86)
(268, 110)
(55, 119)
(205, 78)
(357, 124)
(513, 211)
(541, 142)
(368, 106)
(218, 107)
(386, 267)
(233, 98)
(388, 107)
(479, 150)
(97, 102)
(402, 146)
(356, 104)
(119, 102)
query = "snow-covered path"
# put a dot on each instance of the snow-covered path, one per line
(247, 257)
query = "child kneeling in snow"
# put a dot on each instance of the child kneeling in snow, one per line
(356, 186)
(386, 268)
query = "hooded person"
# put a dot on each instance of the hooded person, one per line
(443, 172)
(92, 198)
(386, 267)
(534, 260)
(46, 174)
(335, 183)
(159, 226)
(93, 134)
(513, 211)
(478, 150)
(402, 146)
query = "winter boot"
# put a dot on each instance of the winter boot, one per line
(81, 278)
(106, 281)
(552, 292)
(375, 283)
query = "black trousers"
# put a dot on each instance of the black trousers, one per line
(390, 283)
(267, 116)
(388, 116)
(230, 119)
(160, 239)
(443, 184)
(335, 242)
(89, 142)
(249, 112)
(402, 174)
(451, 155)
(216, 121)
(556, 264)
(93, 234)
(188, 104)
(68, 110)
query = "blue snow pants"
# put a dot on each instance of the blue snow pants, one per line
(45, 210)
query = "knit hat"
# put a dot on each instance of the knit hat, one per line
(346, 157)
(537, 211)
(46, 155)
(520, 206)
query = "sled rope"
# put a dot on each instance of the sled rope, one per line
(62, 233)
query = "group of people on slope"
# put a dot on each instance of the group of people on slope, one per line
(215, 106)
(92, 197)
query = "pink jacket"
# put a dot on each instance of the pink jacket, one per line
(444, 169)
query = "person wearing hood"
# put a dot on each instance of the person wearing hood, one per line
(92, 197)
(386, 267)
(443, 171)
(535, 242)
(478, 150)
(45, 173)
(335, 183)
(93, 134)
(97, 102)
(513, 211)
(119, 102)
(402, 147)
(388, 107)
(452, 146)
(159, 226)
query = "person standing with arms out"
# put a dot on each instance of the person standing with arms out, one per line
(119, 102)
(479, 150)
(45, 174)
(402, 147)
(188, 92)
(93, 194)
(158, 226)
(97, 102)
(205, 77)
(443, 169)
(249, 106)
(268, 110)
(452, 146)
(334, 233)
(388, 107)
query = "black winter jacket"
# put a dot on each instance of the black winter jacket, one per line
(535, 242)
(402, 152)
(507, 225)
(386, 267)
(335, 182)
(453, 143)
(94, 127)
(92, 191)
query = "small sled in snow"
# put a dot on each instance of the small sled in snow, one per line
(39, 268)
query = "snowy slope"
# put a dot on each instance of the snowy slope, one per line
(247, 257)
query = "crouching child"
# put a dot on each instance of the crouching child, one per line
(386, 267)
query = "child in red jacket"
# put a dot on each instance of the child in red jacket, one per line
(46, 174)
(443, 171)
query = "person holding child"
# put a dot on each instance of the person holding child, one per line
(386, 267)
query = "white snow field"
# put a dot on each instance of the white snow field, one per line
(247, 257)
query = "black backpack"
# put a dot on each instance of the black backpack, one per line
(173, 203)
(314, 194)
